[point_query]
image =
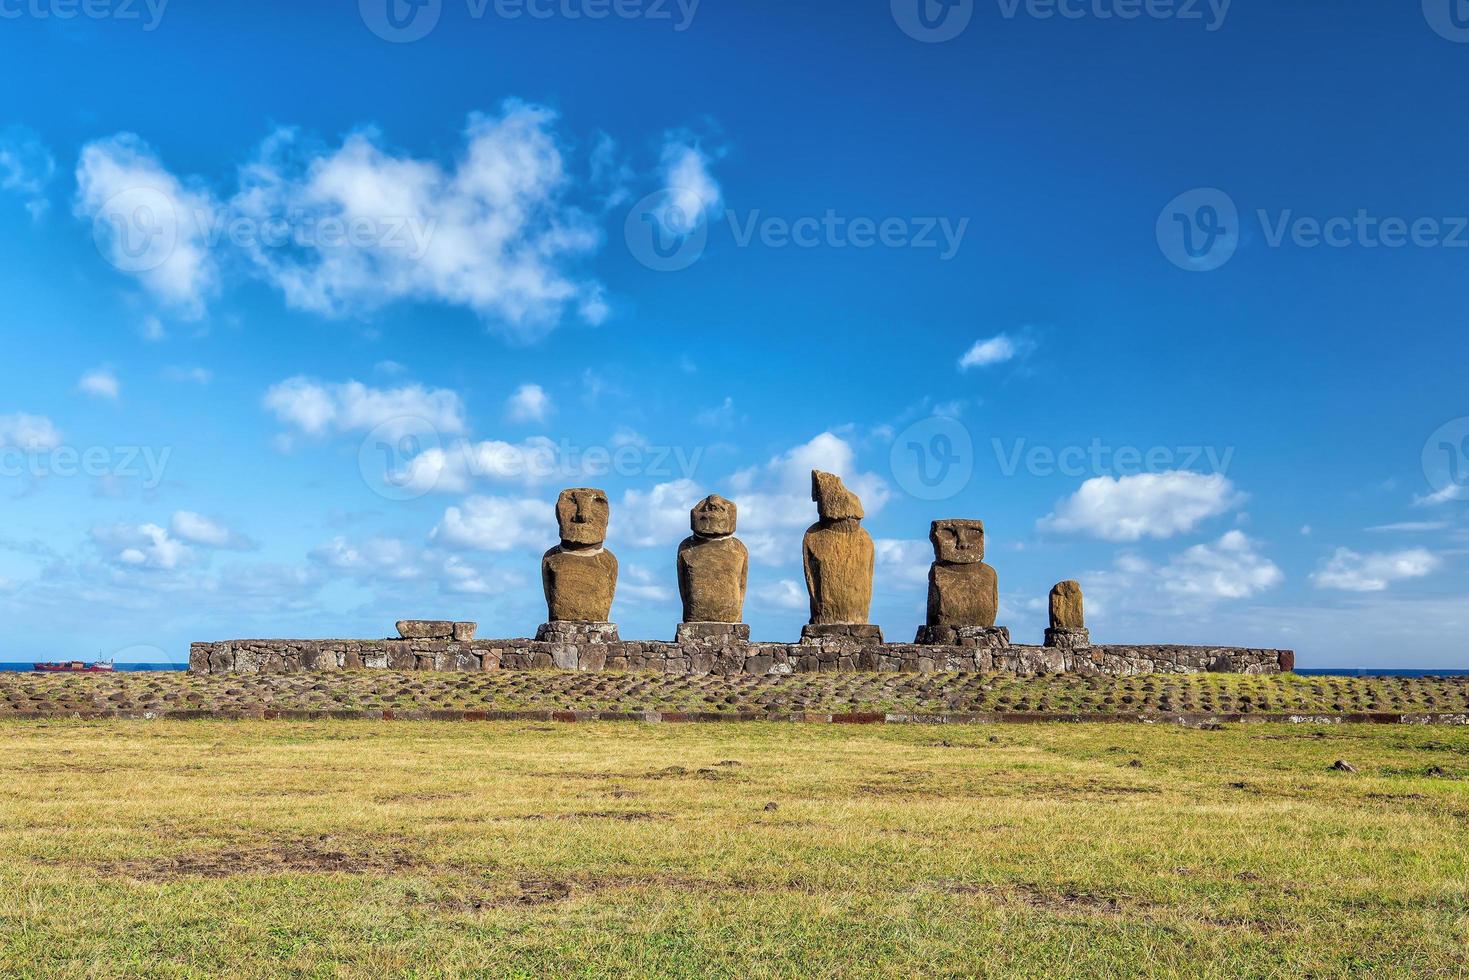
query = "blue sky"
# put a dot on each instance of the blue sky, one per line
(309, 316)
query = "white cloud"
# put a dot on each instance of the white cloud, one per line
(1443, 495)
(778, 494)
(498, 524)
(784, 594)
(150, 224)
(198, 529)
(317, 408)
(100, 383)
(902, 563)
(141, 546)
(493, 233)
(1353, 571)
(26, 168)
(1409, 526)
(1230, 568)
(684, 169)
(32, 433)
(196, 375)
(659, 516)
(722, 416)
(530, 403)
(455, 467)
(152, 329)
(1154, 505)
(640, 585)
(994, 350)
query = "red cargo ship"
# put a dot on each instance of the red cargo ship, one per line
(75, 667)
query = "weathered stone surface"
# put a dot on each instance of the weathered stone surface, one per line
(841, 633)
(713, 565)
(962, 589)
(425, 629)
(989, 637)
(838, 555)
(706, 632)
(956, 541)
(435, 629)
(595, 647)
(1068, 637)
(579, 631)
(1066, 606)
(580, 575)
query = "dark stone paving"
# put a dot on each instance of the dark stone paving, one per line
(849, 697)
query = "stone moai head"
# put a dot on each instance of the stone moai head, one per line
(582, 515)
(957, 542)
(713, 517)
(834, 502)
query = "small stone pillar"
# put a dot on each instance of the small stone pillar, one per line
(713, 568)
(963, 592)
(1068, 622)
(579, 574)
(838, 553)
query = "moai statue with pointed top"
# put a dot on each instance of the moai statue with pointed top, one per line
(838, 556)
(963, 591)
(580, 574)
(1068, 620)
(713, 569)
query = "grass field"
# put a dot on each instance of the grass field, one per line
(365, 849)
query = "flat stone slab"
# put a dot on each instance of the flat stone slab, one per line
(436, 629)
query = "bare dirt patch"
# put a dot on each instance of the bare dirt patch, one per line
(276, 857)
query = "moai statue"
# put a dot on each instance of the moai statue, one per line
(580, 574)
(1068, 622)
(713, 567)
(963, 592)
(838, 555)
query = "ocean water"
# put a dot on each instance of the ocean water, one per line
(171, 666)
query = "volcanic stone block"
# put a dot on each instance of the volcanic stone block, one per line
(436, 629)
(711, 632)
(579, 574)
(1066, 606)
(713, 565)
(838, 555)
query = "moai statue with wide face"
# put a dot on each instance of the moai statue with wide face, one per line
(838, 555)
(1068, 619)
(962, 589)
(713, 565)
(580, 574)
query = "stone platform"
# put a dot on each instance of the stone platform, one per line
(723, 654)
